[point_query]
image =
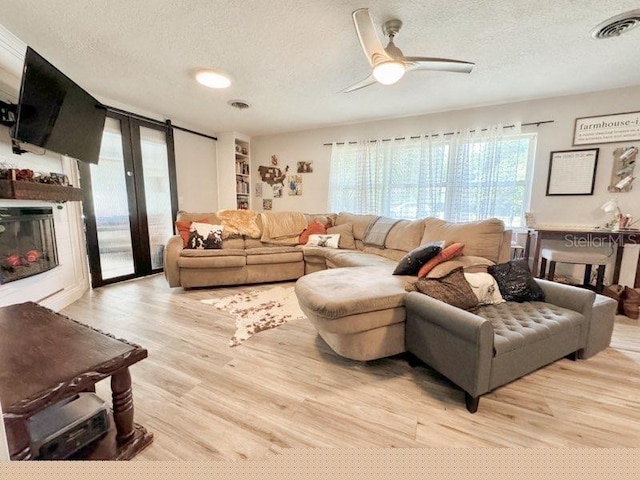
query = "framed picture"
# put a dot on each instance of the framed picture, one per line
(572, 172)
(618, 127)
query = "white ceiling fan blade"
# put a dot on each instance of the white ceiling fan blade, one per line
(441, 64)
(368, 37)
(361, 84)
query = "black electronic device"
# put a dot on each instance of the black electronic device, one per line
(62, 429)
(57, 114)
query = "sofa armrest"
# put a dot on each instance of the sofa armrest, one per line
(170, 260)
(567, 296)
(455, 342)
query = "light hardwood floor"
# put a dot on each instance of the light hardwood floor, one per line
(284, 388)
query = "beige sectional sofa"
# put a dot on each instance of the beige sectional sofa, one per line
(364, 312)
(359, 311)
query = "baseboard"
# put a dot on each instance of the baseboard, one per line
(65, 297)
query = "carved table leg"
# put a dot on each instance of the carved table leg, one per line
(122, 405)
(18, 438)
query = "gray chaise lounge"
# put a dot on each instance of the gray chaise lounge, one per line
(500, 343)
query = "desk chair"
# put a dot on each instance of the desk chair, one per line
(576, 256)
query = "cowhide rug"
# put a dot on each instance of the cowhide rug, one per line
(259, 310)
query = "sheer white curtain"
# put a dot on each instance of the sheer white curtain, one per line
(466, 176)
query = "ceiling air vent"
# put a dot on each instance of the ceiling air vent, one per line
(616, 26)
(239, 104)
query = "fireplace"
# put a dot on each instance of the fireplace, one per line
(27, 242)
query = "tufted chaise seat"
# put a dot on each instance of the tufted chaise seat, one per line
(497, 344)
(518, 325)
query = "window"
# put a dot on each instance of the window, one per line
(462, 177)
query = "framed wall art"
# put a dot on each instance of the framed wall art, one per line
(572, 172)
(617, 127)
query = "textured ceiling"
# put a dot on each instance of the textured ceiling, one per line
(289, 59)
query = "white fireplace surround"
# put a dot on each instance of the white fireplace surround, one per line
(68, 281)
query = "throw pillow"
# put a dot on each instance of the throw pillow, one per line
(470, 263)
(204, 236)
(346, 235)
(452, 251)
(453, 289)
(516, 282)
(410, 264)
(330, 241)
(485, 288)
(314, 227)
(183, 230)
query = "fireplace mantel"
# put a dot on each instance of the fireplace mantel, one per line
(23, 190)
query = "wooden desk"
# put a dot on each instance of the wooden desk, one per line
(46, 357)
(535, 236)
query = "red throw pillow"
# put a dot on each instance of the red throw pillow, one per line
(314, 228)
(183, 229)
(452, 251)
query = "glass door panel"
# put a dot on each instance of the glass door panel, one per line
(111, 205)
(155, 165)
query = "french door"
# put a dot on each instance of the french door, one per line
(130, 199)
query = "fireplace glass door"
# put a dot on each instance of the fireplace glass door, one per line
(27, 242)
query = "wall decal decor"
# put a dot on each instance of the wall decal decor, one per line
(305, 167)
(624, 162)
(617, 127)
(295, 184)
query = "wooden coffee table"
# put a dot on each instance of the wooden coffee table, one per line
(46, 357)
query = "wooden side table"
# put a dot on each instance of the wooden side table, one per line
(46, 357)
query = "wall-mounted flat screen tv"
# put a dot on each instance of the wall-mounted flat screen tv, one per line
(56, 114)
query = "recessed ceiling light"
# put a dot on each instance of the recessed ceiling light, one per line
(213, 79)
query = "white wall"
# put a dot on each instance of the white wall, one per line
(196, 172)
(579, 210)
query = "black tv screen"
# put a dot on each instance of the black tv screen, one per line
(56, 114)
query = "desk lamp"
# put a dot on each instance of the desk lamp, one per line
(619, 220)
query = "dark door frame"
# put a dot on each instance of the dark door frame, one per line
(134, 178)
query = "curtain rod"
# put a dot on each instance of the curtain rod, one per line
(537, 124)
(158, 122)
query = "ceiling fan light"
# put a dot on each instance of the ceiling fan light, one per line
(388, 73)
(213, 79)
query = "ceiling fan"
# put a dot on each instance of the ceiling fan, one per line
(388, 63)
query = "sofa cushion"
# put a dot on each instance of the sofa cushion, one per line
(271, 255)
(453, 289)
(252, 242)
(346, 235)
(354, 258)
(360, 222)
(410, 264)
(516, 282)
(452, 251)
(334, 294)
(405, 235)
(516, 325)
(212, 258)
(481, 239)
(233, 243)
(206, 217)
